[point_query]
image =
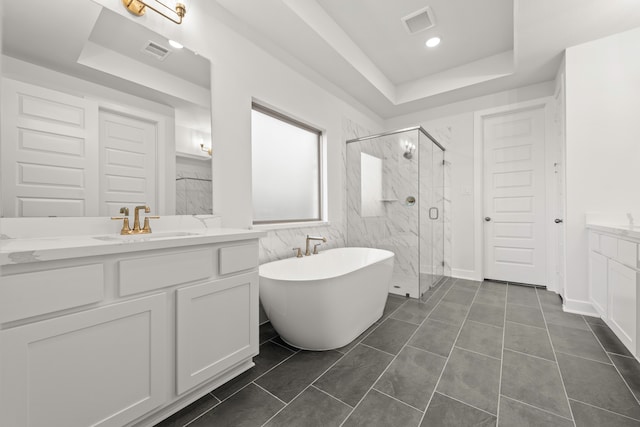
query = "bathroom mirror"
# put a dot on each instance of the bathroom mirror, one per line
(99, 112)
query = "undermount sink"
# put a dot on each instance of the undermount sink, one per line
(145, 237)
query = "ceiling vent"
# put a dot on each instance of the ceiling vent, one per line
(420, 20)
(157, 51)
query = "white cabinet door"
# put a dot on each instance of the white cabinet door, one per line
(217, 327)
(598, 282)
(622, 303)
(102, 367)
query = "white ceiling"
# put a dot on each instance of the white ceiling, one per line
(362, 48)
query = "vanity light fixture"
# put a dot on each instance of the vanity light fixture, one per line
(409, 149)
(433, 42)
(206, 150)
(139, 7)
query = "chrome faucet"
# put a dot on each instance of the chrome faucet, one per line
(315, 249)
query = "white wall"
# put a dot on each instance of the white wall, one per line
(602, 142)
(453, 126)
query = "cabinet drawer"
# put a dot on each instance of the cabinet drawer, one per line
(159, 271)
(32, 294)
(627, 253)
(609, 246)
(238, 258)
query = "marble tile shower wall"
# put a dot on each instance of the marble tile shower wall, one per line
(397, 230)
(279, 243)
(194, 194)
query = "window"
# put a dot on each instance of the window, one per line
(287, 168)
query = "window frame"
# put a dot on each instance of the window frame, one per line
(321, 171)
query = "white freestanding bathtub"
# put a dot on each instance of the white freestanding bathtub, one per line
(325, 301)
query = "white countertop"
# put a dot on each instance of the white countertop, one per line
(626, 225)
(51, 248)
(616, 229)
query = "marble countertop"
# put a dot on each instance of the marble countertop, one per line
(51, 248)
(619, 230)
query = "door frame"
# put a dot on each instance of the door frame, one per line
(165, 151)
(479, 185)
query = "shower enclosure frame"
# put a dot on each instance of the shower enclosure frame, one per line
(417, 238)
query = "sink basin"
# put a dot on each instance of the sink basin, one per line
(145, 237)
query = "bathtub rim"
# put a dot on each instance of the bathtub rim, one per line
(388, 255)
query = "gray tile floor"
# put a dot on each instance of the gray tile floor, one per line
(472, 354)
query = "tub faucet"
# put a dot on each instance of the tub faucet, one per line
(315, 250)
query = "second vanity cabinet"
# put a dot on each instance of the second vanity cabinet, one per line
(614, 270)
(125, 339)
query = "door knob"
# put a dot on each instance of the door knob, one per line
(557, 220)
(487, 218)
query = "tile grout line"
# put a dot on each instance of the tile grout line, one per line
(444, 367)
(487, 324)
(395, 398)
(330, 395)
(564, 388)
(390, 363)
(535, 407)
(269, 393)
(606, 410)
(504, 334)
(614, 366)
(342, 355)
(466, 404)
(475, 352)
(425, 351)
(585, 358)
(531, 355)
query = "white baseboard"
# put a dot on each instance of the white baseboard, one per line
(459, 273)
(579, 307)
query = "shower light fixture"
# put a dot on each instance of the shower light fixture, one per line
(139, 7)
(409, 149)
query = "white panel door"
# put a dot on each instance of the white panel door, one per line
(217, 327)
(514, 203)
(127, 162)
(102, 367)
(49, 152)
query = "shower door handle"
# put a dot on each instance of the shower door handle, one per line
(431, 211)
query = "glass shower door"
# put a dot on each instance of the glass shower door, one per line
(431, 213)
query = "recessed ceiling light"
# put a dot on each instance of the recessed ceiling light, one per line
(175, 44)
(433, 42)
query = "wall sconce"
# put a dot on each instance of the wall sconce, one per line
(206, 150)
(139, 7)
(409, 149)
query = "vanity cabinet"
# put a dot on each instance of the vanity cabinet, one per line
(623, 303)
(229, 304)
(100, 367)
(613, 285)
(131, 337)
